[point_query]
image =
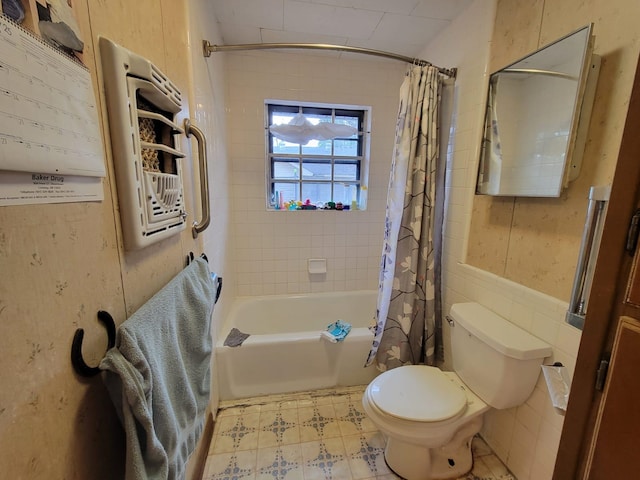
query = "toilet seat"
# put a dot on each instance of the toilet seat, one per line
(417, 393)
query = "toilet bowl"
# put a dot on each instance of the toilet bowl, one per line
(429, 416)
(431, 436)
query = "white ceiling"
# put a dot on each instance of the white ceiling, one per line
(403, 27)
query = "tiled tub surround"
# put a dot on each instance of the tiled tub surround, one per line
(271, 248)
(317, 435)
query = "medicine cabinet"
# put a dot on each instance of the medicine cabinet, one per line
(536, 119)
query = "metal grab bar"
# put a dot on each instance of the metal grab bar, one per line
(594, 222)
(199, 227)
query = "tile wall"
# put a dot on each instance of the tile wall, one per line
(271, 248)
(209, 115)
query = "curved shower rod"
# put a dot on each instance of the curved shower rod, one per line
(208, 48)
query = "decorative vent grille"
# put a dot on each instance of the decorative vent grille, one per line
(142, 107)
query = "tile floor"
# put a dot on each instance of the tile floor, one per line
(319, 435)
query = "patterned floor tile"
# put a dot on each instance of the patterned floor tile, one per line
(313, 435)
(352, 419)
(325, 460)
(279, 405)
(240, 465)
(280, 463)
(366, 455)
(239, 432)
(238, 410)
(278, 427)
(318, 422)
(349, 394)
(314, 401)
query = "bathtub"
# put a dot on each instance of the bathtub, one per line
(285, 351)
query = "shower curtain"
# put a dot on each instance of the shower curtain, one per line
(406, 314)
(490, 168)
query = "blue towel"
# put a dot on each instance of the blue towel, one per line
(158, 374)
(337, 331)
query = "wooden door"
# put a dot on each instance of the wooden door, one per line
(614, 451)
(601, 431)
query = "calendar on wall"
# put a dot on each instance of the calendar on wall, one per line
(49, 128)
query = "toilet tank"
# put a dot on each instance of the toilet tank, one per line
(496, 359)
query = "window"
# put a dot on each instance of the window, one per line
(320, 171)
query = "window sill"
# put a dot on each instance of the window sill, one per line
(271, 209)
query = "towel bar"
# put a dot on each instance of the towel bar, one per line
(190, 258)
(79, 365)
(218, 289)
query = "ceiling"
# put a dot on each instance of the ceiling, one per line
(403, 27)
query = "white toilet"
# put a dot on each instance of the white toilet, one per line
(429, 416)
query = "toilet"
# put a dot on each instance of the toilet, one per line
(429, 416)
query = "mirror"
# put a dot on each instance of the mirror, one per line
(532, 143)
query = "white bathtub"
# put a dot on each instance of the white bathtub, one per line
(285, 352)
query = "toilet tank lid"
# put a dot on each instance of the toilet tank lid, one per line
(498, 333)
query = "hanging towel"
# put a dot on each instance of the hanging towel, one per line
(337, 331)
(158, 374)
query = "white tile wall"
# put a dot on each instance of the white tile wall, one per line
(525, 438)
(271, 248)
(209, 116)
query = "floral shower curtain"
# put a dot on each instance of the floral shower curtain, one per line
(406, 318)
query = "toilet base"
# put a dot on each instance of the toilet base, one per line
(414, 462)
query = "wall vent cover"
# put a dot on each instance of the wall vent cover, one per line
(142, 105)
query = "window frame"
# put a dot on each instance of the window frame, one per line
(361, 160)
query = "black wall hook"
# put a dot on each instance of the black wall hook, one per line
(218, 289)
(191, 258)
(77, 361)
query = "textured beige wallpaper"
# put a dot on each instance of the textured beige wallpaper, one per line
(62, 263)
(539, 247)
